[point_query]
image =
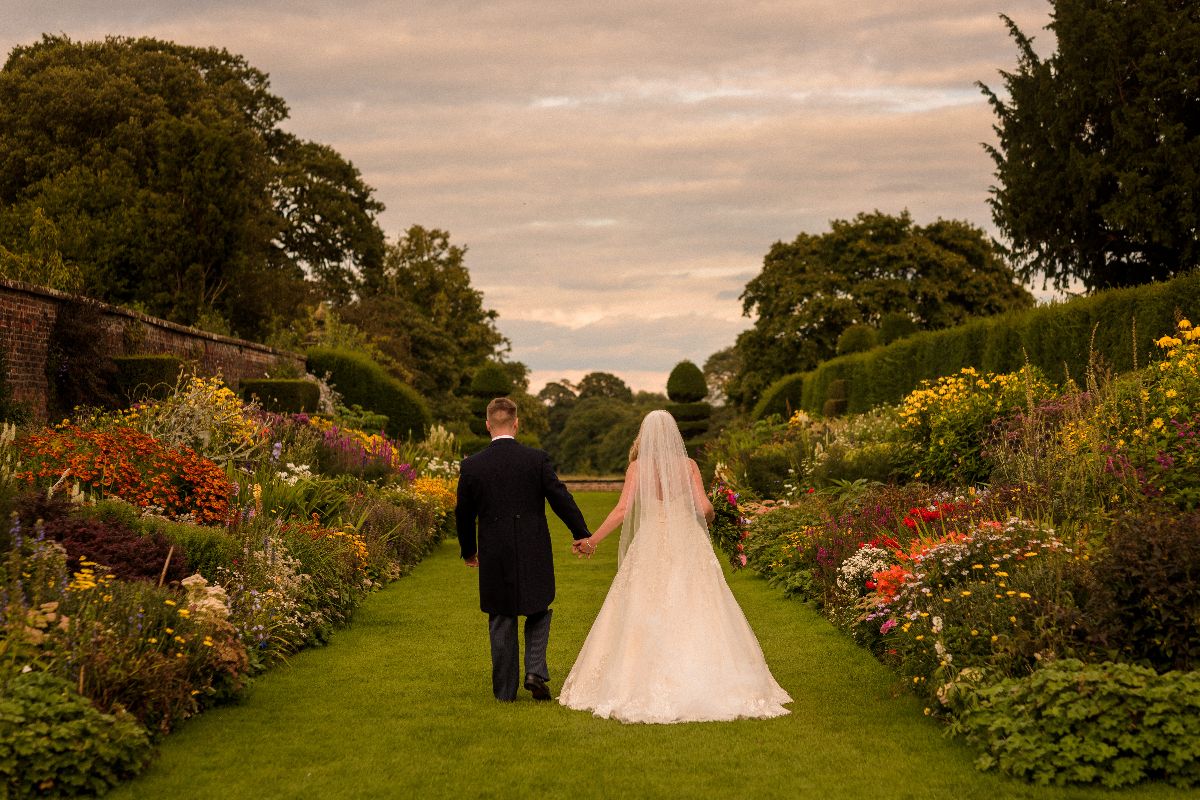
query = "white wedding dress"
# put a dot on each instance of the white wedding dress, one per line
(670, 643)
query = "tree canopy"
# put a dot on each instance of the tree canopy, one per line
(813, 288)
(422, 311)
(1098, 160)
(170, 184)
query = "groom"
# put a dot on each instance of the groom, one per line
(505, 487)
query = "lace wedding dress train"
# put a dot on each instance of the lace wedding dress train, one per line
(670, 643)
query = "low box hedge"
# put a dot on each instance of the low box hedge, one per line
(283, 395)
(362, 381)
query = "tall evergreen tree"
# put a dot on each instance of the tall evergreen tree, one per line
(1098, 161)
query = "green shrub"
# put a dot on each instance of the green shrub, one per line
(1056, 338)
(690, 429)
(1144, 605)
(139, 377)
(690, 412)
(206, 549)
(360, 419)
(692, 418)
(768, 468)
(896, 325)
(835, 399)
(55, 743)
(283, 395)
(686, 383)
(783, 397)
(360, 380)
(869, 446)
(1071, 722)
(857, 339)
(489, 382)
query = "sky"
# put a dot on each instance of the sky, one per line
(617, 170)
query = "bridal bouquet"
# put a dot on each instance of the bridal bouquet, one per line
(729, 526)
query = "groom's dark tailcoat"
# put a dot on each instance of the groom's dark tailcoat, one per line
(505, 487)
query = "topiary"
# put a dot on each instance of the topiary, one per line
(857, 339)
(896, 325)
(686, 383)
(55, 743)
(361, 380)
(835, 398)
(285, 396)
(489, 382)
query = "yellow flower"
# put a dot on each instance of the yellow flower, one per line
(974, 632)
(168, 602)
(1024, 595)
(920, 636)
(965, 593)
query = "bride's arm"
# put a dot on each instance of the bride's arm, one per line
(703, 504)
(617, 515)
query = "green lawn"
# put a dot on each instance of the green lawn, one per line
(399, 705)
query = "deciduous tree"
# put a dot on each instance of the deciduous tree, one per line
(813, 288)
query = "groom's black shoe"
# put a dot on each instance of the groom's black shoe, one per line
(538, 687)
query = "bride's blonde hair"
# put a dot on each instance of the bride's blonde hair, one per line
(633, 448)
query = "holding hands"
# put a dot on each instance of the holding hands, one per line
(583, 548)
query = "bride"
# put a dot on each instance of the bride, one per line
(670, 643)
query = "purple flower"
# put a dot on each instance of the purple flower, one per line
(276, 451)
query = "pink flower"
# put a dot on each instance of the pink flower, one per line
(742, 559)
(887, 626)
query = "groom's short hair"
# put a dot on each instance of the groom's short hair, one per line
(502, 412)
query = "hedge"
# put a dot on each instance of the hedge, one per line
(141, 376)
(783, 397)
(362, 381)
(287, 396)
(1056, 338)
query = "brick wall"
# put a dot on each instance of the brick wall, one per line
(28, 314)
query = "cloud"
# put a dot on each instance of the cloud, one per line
(617, 170)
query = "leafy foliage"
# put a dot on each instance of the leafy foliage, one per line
(1096, 163)
(813, 288)
(423, 313)
(1057, 339)
(360, 380)
(857, 338)
(1144, 605)
(686, 383)
(1070, 722)
(164, 172)
(53, 742)
(287, 396)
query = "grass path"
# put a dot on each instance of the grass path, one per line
(399, 705)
